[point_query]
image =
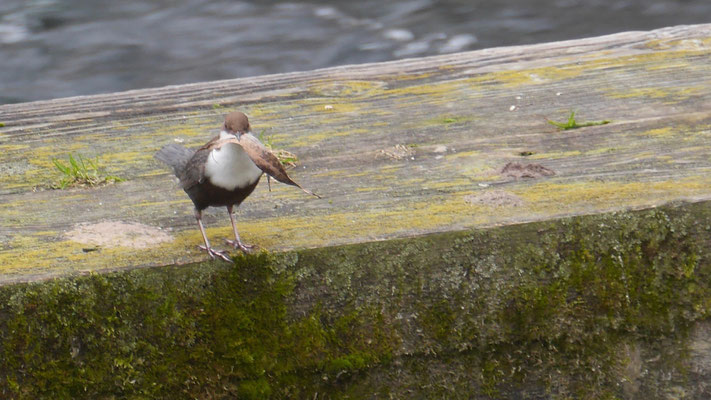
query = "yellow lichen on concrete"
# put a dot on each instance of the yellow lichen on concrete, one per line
(463, 154)
(601, 150)
(320, 136)
(434, 90)
(671, 94)
(126, 157)
(669, 66)
(695, 44)
(40, 170)
(569, 196)
(555, 155)
(72, 256)
(666, 131)
(372, 189)
(356, 174)
(13, 147)
(202, 133)
(346, 88)
(69, 256)
(26, 250)
(533, 76)
(332, 172)
(650, 58)
(261, 112)
(411, 181)
(446, 120)
(448, 183)
(575, 68)
(417, 77)
(341, 227)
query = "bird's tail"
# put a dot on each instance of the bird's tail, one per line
(175, 156)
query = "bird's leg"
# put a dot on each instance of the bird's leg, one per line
(237, 243)
(210, 251)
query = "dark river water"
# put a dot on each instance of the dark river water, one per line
(59, 48)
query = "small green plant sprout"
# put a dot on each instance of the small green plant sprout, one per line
(287, 158)
(81, 172)
(573, 124)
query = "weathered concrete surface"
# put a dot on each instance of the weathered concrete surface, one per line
(397, 149)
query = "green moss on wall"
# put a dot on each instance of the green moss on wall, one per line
(542, 309)
(201, 331)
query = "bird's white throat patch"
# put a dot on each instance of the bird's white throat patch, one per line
(229, 167)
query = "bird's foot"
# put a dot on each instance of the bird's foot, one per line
(246, 248)
(216, 253)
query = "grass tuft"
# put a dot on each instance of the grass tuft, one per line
(287, 158)
(573, 124)
(81, 172)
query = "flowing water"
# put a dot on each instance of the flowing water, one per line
(59, 48)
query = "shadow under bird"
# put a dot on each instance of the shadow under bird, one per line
(223, 172)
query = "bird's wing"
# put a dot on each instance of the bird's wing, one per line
(264, 159)
(194, 171)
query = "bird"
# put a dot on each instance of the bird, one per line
(223, 173)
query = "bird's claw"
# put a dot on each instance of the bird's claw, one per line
(246, 248)
(216, 253)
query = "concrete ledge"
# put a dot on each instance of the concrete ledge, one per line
(599, 306)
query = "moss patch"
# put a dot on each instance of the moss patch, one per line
(447, 119)
(543, 307)
(573, 124)
(190, 332)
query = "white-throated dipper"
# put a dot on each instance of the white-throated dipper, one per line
(224, 172)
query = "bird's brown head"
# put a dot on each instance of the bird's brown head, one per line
(236, 123)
